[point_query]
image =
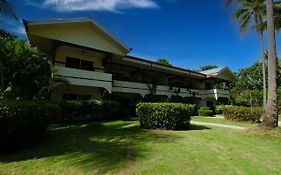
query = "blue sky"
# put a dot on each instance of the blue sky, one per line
(189, 33)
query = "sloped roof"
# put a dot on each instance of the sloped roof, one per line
(212, 71)
(77, 20)
(163, 66)
(220, 72)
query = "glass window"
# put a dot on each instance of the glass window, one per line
(84, 97)
(87, 65)
(208, 85)
(72, 62)
(76, 97)
(70, 97)
(79, 64)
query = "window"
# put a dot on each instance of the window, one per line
(84, 97)
(77, 63)
(208, 85)
(69, 96)
(76, 97)
(87, 65)
(210, 104)
(72, 62)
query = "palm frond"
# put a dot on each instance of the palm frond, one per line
(243, 16)
(227, 3)
(6, 8)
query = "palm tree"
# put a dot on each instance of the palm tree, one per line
(271, 112)
(277, 15)
(251, 12)
(6, 8)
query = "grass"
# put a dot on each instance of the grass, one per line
(121, 147)
(222, 121)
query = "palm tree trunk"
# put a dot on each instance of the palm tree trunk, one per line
(271, 113)
(260, 33)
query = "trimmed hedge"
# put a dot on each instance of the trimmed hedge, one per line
(219, 109)
(23, 123)
(170, 116)
(243, 113)
(89, 110)
(205, 111)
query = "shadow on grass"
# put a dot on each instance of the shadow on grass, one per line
(198, 127)
(101, 146)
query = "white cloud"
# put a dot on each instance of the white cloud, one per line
(97, 5)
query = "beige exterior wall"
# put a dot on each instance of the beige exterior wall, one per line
(57, 93)
(66, 51)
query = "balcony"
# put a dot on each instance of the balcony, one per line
(145, 89)
(216, 93)
(139, 88)
(85, 78)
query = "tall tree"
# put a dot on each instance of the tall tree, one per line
(163, 61)
(6, 35)
(7, 9)
(251, 13)
(207, 67)
(24, 70)
(271, 112)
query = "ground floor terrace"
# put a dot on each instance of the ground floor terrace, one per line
(129, 97)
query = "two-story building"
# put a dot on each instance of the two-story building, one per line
(97, 65)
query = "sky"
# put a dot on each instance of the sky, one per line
(189, 33)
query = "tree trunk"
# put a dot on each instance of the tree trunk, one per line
(271, 113)
(260, 33)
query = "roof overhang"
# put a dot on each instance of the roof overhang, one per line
(163, 67)
(79, 21)
(224, 74)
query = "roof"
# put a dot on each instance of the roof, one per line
(76, 20)
(220, 72)
(212, 71)
(159, 65)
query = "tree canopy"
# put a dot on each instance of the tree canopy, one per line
(25, 71)
(6, 35)
(7, 9)
(247, 90)
(163, 61)
(207, 67)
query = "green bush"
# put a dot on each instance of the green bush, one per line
(88, 110)
(170, 116)
(205, 111)
(219, 109)
(69, 111)
(239, 113)
(23, 123)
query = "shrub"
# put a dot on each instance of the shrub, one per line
(243, 113)
(219, 109)
(205, 111)
(170, 116)
(69, 111)
(88, 110)
(23, 123)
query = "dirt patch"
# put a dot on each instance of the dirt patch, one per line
(262, 130)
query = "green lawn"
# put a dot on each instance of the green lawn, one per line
(123, 148)
(222, 121)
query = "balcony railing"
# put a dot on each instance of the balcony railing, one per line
(104, 80)
(85, 78)
(145, 89)
(139, 88)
